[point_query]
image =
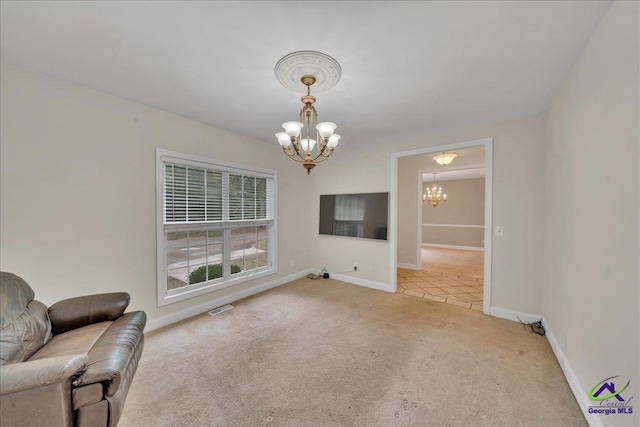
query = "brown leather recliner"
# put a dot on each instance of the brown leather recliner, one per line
(70, 364)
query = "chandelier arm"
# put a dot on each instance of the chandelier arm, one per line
(296, 147)
(293, 152)
(327, 153)
(324, 154)
(319, 160)
(292, 156)
(322, 142)
(321, 154)
(322, 146)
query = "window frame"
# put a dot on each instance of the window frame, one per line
(165, 296)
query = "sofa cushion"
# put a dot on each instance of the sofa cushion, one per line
(24, 322)
(77, 341)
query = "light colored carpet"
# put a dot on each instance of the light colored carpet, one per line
(326, 353)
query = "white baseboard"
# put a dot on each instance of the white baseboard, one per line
(574, 383)
(361, 282)
(177, 316)
(505, 313)
(466, 248)
(408, 266)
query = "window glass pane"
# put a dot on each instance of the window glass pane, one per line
(177, 250)
(214, 196)
(249, 198)
(197, 273)
(261, 198)
(175, 193)
(251, 252)
(177, 278)
(235, 197)
(197, 238)
(262, 246)
(250, 261)
(237, 233)
(195, 195)
(197, 249)
(169, 209)
(247, 247)
(214, 235)
(236, 265)
(177, 260)
(237, 249)
(214, 254)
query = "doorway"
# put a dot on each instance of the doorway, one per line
(457, 270)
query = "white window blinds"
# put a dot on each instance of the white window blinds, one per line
(199, 194)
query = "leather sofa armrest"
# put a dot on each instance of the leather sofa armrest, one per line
(114, 357)
(76, 312)
(39, 373)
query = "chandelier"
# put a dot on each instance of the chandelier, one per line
(444, 158)
(307, 141)
(434, 194)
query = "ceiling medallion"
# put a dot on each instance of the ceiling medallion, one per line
(290, 69)
(299, 71)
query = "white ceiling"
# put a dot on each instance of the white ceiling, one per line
(409, 68)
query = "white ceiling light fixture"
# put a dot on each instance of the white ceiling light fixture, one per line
(299, 71)
(444, 158)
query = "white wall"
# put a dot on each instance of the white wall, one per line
(78, 190)
(518, 161)
(591, 253)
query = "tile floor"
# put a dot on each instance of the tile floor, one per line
(442, 287)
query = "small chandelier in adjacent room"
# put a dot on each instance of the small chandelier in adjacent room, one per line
(300, 138)
(444, 158)
(434, 194)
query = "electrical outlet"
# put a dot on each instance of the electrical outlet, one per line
(293, 262)
(370, 267)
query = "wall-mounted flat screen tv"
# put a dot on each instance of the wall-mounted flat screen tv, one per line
(355, 215)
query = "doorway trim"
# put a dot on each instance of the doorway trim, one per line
(487, 143)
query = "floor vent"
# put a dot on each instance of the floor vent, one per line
(220, 309)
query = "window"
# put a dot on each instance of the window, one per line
(216, 225)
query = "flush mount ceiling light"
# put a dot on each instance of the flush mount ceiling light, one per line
(445, 158)
(299, 71)
(434, 194)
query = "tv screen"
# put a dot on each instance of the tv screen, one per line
(355, 215)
